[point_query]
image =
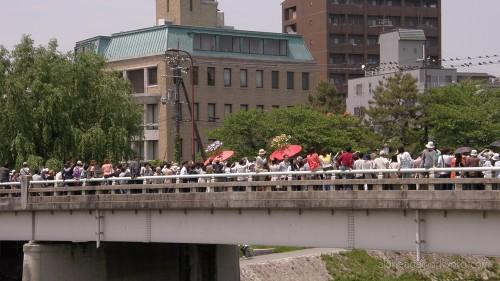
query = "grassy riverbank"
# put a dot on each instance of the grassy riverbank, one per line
(395, 266)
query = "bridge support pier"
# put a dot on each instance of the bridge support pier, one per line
(129, 262)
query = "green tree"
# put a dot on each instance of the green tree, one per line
(463, 115)
(63, 106)
(395, 110)
(247, 132)
(326, 99)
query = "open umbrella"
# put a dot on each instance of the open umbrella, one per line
(290, 150)
(496, 144)
(464, 149)
(222, 156)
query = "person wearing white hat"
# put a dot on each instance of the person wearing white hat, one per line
(261, 161)
(429, 156)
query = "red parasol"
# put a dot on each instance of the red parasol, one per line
(290, 150)
(222, 156)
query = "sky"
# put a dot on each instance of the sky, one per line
(470, 28)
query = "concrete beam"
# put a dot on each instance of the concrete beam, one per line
(362, 200)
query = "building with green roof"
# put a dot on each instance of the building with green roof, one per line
(233, 70)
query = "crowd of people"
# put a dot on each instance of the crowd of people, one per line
(315, 161)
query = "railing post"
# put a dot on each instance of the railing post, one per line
(25, 185)
(488, 186)
(248, 188)
(379, 186)
(432, 175)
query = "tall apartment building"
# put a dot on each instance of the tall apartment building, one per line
(234, 70)
(343, 35)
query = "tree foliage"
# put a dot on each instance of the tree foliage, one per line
(395, 110)
(247, 132)
(463, 115)
(63, 106)
(326, 99)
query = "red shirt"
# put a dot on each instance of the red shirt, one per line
(313, 161)
(346, 160)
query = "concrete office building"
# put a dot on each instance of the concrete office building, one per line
(405, 48)
(343, 34)
(234, 70)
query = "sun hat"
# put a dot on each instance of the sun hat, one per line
(430, 145)
(496, 157)
(473, 153)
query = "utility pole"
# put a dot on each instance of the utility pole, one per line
(181, 62)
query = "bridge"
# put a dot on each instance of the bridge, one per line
(403, 214)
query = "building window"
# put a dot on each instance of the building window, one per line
(372, 40)
(337, 19)
(359, 89)
(283, 48)
(196, 110)
(271, 47)
(430, 23)
(195, 74)
(356, 40)
(245, 45)
(356, 59)
(227, 77)
(236, 44)
(136, 78)
(204, 42)
(337, 59)
(373, 59)
(290, 81)
(260, 108)
(259, 79)
(256, 46)
(191, 5)
(152, 150)
(211, 76)
(411, 22)
(338, 39)
(153, 76)
(225, 43)
(275, 106)
(430, 3)
(244, 107)
(275, 78)
(228, 110)
(355, 19)
(152, 113)
(337, 79)
(243, 78)
(211, 112)
(305, 81)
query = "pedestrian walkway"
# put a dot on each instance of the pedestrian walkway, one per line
(313, 252)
